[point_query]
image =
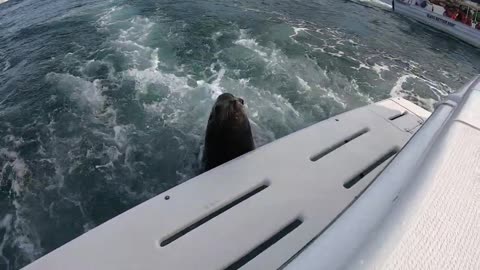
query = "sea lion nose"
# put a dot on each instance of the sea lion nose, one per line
(239, 100)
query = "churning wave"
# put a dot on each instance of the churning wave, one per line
(385, 4)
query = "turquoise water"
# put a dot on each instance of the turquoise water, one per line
(103, 104)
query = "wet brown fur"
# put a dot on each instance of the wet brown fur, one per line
(228, 134)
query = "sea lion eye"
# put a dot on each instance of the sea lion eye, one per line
(241, 101)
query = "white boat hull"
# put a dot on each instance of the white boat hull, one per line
(422, 211)
(442, 23)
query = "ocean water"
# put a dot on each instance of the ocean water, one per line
(103, 104)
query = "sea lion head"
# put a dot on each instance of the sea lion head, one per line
(229, 110)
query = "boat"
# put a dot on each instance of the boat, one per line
(434, 15)
(385, 186)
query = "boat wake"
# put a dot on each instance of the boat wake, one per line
(384, 4)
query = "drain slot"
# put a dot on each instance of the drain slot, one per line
(212, 215)
(265, 245)
(398, 116)
(339, 144)
(370, 168)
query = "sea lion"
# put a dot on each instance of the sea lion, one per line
(228, 134)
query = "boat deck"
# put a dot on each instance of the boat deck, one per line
(423, 211)
(255, 212)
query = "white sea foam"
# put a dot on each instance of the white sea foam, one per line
(397, 89)
(299, 29)
(296, 31)
(13, 235)
(149, 76)
(366, 98)
(18, 167)
(216, 88)
(337, 54)
(379, 68)
(385, 4)
(87, 93)
(428, 103)
(274, 58)
(121, 133)
(18, 232)
(304, 84)
(250, 43)
(277, 62)
(362, 65)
